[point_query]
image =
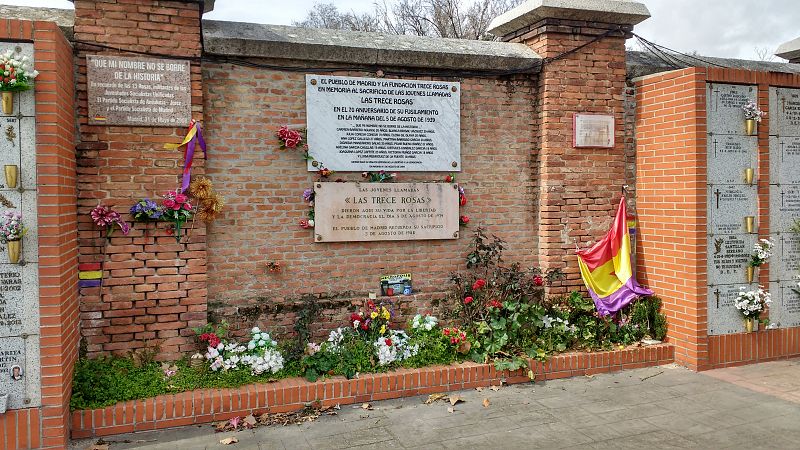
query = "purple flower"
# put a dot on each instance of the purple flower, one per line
(308, 195)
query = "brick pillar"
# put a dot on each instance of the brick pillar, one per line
(579, 188)
(154, 289)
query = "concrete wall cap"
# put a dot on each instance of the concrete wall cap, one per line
(789, 50)
(351, 47)
(622, 12)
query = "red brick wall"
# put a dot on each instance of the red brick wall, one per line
(153, 290)
(671, 198)
(263, 188)
(48, 426)
(671, 186)
(579, 187)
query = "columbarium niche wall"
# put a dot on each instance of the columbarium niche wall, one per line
(20, 375)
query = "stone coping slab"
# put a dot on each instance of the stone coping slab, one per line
(354, 47)
(622, 12)
(291, 394)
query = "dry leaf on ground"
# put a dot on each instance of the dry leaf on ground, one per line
(367, 406)
(249, 421)
(434, 397)
(479, 389)
(455, 399)
(228, 441)
(486, 403)
(450, 410)
(495, 388)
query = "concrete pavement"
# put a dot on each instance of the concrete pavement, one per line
(657, 407)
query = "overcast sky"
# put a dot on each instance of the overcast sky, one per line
(725, 28)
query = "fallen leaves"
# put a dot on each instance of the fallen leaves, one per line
(100, 445)
(367, 406)
(455, 399)
(308, 414)
(450, 410)
(486, 403)
(228, 441)
(495, 388)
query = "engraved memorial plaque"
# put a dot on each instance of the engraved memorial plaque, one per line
(357, 124)
(784, 112)
(785, 261)
(784, 206)
(138, 91)
(728, 206)
(784, 159)
(785, 308)
(723, 317)
(729, 156)
(728, 258)
(385, 211)
(724, 107)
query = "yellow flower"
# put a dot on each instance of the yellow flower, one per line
(374, 314)
(383, 329)
(385, 314)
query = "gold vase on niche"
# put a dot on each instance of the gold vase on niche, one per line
(750, 223)
(751, 126)
(748, 324)
(14, 250)
(8, 103)
(750, 273)
(749, 173)
(12, 173)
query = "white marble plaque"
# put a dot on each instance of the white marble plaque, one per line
(367, 124)
(728, 205)
(785, 309)
(784, 112)
(729, 156)
(728, 258)
(724, 107)
(784, 159)
(723, 317)
(593, 130)
(385, 211)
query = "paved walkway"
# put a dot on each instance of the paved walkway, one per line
(657, 407)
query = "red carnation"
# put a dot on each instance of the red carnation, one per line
(479, 283)
(468, 300)
(446, 331)
(538, 281)
(389, 342)
(462, 200)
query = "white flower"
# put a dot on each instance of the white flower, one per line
(255, 330)
(548, 321)
(356, 324)
(251, 345)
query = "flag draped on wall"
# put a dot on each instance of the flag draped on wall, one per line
(606, 268)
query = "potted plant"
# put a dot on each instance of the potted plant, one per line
(11, 233)
(752, 115)
(762, 251)
(16, 75)
(751, 304)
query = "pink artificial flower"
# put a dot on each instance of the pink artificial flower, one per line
(181, 198)
(304, 224)
(187, 206)
(169, 203)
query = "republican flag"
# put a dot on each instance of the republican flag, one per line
(606, 268)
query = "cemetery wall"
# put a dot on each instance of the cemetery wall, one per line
(153, 289)
(691, 150)
(263, 187)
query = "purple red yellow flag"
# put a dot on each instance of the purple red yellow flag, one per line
(606, 268)
(194, 137)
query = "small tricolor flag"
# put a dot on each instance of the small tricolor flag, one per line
(89, 275)
(606, 268)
